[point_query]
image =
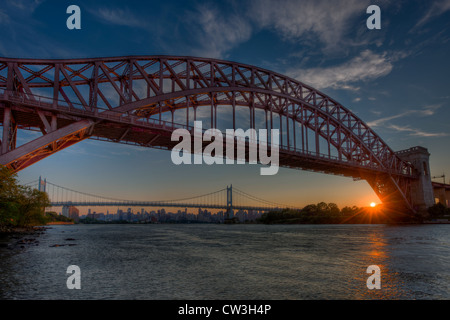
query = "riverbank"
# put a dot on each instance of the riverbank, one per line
(19, 237)
(8, 230)
(57, 223)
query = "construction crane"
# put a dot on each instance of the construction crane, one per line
(437, 177)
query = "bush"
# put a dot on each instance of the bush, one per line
(438, 210)
(313, 213)
(54, 217)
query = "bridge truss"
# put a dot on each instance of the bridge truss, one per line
(140, 100)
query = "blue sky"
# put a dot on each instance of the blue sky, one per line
(395, 79)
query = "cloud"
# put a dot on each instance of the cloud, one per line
(4, 18)
(25, 5)
(22, 34)
(376, 112)
(215, 31)
(120, 17)
(430, 110)
(423, 112)
(416, 132)
(381, 121)
(316, 20)
(436, 9)
(13, 9)
(365, 67)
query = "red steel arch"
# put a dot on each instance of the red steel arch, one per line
(135, 100)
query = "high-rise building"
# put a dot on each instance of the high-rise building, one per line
(71, 212)
(65, 211)
(74, 213)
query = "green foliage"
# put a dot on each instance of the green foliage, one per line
(312, 213)
(54, 217)
(20, 206)
(329, 213)
(9, 191)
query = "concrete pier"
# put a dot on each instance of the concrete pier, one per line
(421, 189)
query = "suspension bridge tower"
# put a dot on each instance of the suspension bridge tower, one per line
(42, 184)
(229, 213)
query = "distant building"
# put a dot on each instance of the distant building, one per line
(74, 213)
(71, 212)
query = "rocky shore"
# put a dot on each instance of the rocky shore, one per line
(20, 237)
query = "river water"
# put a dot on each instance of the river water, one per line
(209, 261)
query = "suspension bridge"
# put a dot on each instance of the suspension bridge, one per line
(136, 99)
(228, 198)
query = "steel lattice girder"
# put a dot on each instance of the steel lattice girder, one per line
(121, 97)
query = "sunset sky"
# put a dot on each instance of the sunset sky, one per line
(396, 79)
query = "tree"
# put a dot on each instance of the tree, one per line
(310, 209)
(9, 193)
(349, 211)
(322, 207)
(32, 205)
(20, 206)
(333, 209)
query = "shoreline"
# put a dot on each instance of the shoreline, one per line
(57, 223)
(18, 237)
(5, 231)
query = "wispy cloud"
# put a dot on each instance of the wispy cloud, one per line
(381, 121)
(364, 67)
(417, 132)
(436, 9)
(119, 16)
(430, 109)
(25, 5)
(22, 34)
(4, 18)
(316, 20)
(423, 112)
(216, 32)
(376, 112)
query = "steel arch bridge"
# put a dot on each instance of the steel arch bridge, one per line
(141, 99)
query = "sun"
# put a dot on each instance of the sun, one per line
(373, 204)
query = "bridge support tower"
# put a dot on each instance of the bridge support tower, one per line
(42, 185)
(422, 195)
(229, 213)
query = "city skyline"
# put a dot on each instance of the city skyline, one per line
(395, 79)
(160, 215)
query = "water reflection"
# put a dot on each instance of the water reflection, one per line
(231, 262)
(377, 254)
